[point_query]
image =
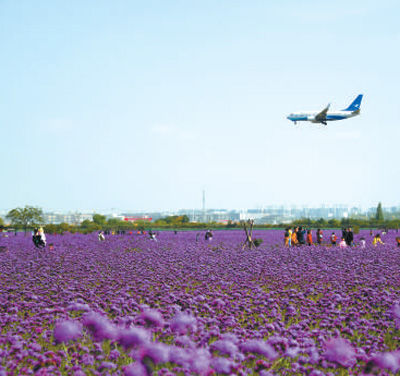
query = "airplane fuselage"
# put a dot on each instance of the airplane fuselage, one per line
(325, 115)
(330, 116)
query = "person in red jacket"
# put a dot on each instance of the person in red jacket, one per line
(333, 238)
(309, 237)
(319, 236)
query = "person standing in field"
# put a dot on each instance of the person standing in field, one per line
(101, 236)
(362, 242)
(342, 243)
(286, 237)
(42, 237)
(398, 241)
(350, 237)
(309, 237)
(35, 237)
(333, 239)
(152, 235)
(344, 233)
(319, 236)
(300, 236)
(39, 238)
(377, 240)
(294, 236)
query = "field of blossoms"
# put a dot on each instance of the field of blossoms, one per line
(132, 306)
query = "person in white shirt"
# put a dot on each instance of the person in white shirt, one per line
(101, 236)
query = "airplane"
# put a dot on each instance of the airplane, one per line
(325, 115)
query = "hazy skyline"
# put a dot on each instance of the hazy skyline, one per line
(142, 105)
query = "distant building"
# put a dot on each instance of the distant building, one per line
(57, 218)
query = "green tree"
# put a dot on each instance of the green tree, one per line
(64, 227)
(1, 222)
(89, 226)
(26, 217)
(99, 219)
(379, 213)
(51, 228)
(334, 223)
(184, 219)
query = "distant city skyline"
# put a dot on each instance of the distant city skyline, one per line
(142, 105)
(200, 209)
(269, 214)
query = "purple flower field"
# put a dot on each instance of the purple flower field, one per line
(132, 306)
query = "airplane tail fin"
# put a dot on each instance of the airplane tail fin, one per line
(355, 105)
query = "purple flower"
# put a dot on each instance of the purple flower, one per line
(156, 352)
(67, 330)
(87, 359)
(225, 347)
(230, 337)
(114, 354)
(133, 337)
(222, 365)
(152, 318)
(388, 360)
(259, 347)
(200, 361)
(100, 327)
(340, 350)
(185, 341)
(395, 312)
(78, 307)
(107, 365)
(135, 369)
(180, 356)
(182, 322)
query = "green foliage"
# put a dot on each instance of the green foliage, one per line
(356, 229)
(99, 219)
(231, 224)
(51, 228)
(114, 222)
(89, 226)
(335, 223)
(173, 221)
(1, 222)
(379, 213)
(258, 242)
(26, 217)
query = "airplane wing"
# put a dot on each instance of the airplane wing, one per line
(321, 116)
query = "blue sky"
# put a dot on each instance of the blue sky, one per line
(141, 105)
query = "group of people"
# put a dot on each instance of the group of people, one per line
(300, 236)
(101, 234)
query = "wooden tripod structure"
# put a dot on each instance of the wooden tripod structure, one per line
(248, 229)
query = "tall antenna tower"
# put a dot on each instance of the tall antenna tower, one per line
(204, 205)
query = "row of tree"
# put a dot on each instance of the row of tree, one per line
(29, 217)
